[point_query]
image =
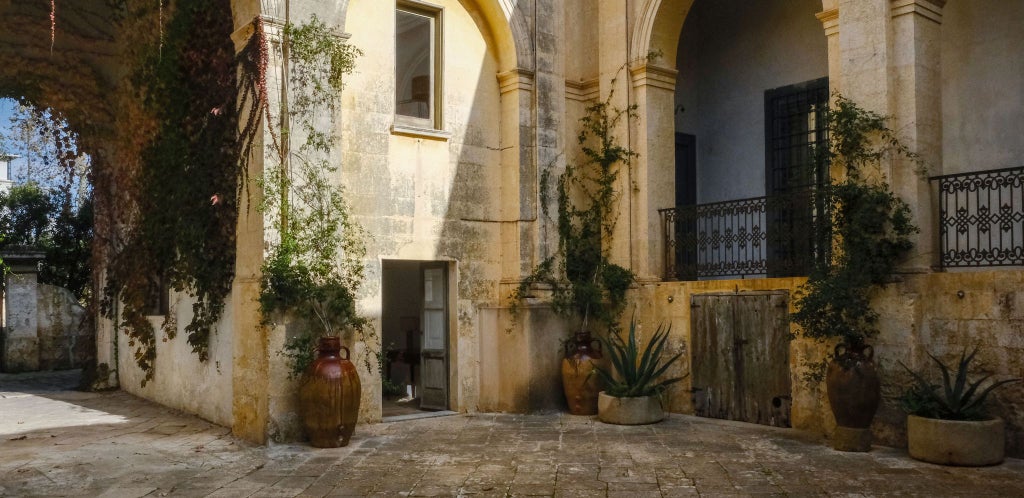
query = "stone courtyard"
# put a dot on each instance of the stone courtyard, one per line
(55, 441)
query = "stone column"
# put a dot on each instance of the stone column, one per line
(519, 196)
(653, 170)
(250, 371)
(830, 22)
(21, 322)
(916, 86)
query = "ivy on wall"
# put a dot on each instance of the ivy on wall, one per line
(178, 225)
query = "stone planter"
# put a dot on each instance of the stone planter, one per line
(629, 411)
(956, 442)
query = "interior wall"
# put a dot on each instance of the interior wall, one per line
(730, 52)
(402, 298)
(982, 85)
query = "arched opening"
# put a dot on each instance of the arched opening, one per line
(750, 98)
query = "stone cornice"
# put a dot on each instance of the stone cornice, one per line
(830, 21)
(654, 76)
(928, 9)
(273, 25)
(516, 79)
(582, 91)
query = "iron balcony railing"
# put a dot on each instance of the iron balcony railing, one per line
(774, 236)
(981, 218)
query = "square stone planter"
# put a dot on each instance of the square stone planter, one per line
(956, 442)
(629, 411)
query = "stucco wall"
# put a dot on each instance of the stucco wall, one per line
(982, 82)
(730, 52)
(180, 380)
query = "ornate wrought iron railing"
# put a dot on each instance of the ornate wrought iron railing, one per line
(981, 218)
(775, 236)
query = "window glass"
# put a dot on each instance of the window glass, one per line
(414, 78)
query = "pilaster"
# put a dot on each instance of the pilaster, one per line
(916, 106)
(653, 139)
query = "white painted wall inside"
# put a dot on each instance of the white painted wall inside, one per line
(730, 52)
(983, 85)
(180, 380)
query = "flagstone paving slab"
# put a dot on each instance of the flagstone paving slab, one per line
(58, 442)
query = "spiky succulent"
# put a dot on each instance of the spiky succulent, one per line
(637, 372)
(956, 399)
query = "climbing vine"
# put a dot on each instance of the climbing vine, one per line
(314, 268)
(179, 224)
(585, 285)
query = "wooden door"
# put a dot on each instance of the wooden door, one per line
(740, 357)
(434, 352)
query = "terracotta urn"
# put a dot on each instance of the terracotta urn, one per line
(579, 380)
(854, 393)
(329, 396)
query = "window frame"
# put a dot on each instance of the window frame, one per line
(435, 121)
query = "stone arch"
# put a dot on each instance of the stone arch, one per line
(504, 24)
(660, 23)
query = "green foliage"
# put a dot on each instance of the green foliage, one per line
(387, 387)
(315, 268)
(585, 285)
(637, 372)
(187, 199)
(870, 229)
(25, 215)
(31, 216)
(956, 399)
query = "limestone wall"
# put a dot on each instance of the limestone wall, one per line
(180, 380)
(64, 333)
(940, 313)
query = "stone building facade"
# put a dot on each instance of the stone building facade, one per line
(445, 174)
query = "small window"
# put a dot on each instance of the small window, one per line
(417, 63)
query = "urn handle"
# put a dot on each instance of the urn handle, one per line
(840, 350)
(347, 354)
(596, 345)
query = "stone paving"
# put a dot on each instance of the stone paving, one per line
(58, 442)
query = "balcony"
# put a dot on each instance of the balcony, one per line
(981, 218)
(774, 236)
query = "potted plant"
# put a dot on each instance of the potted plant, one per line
(635, 391)
(586, 287)
(949, 425)
(867, 234)
(313, 270)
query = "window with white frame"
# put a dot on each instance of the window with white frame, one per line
(417, 65)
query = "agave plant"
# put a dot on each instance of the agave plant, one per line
(956, 399)
(637, 372)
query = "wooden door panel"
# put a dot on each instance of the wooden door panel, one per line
(434, 352)
(740, 356)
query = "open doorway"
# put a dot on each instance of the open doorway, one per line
(414, 337)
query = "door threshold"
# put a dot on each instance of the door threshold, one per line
(417, 416)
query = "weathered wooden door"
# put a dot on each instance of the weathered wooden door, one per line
(434, 354)
(740, 359)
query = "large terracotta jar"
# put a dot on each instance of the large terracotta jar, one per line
(579, 380)
(329, 396)
(854, 389)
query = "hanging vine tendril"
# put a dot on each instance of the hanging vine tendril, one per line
(53, 23)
